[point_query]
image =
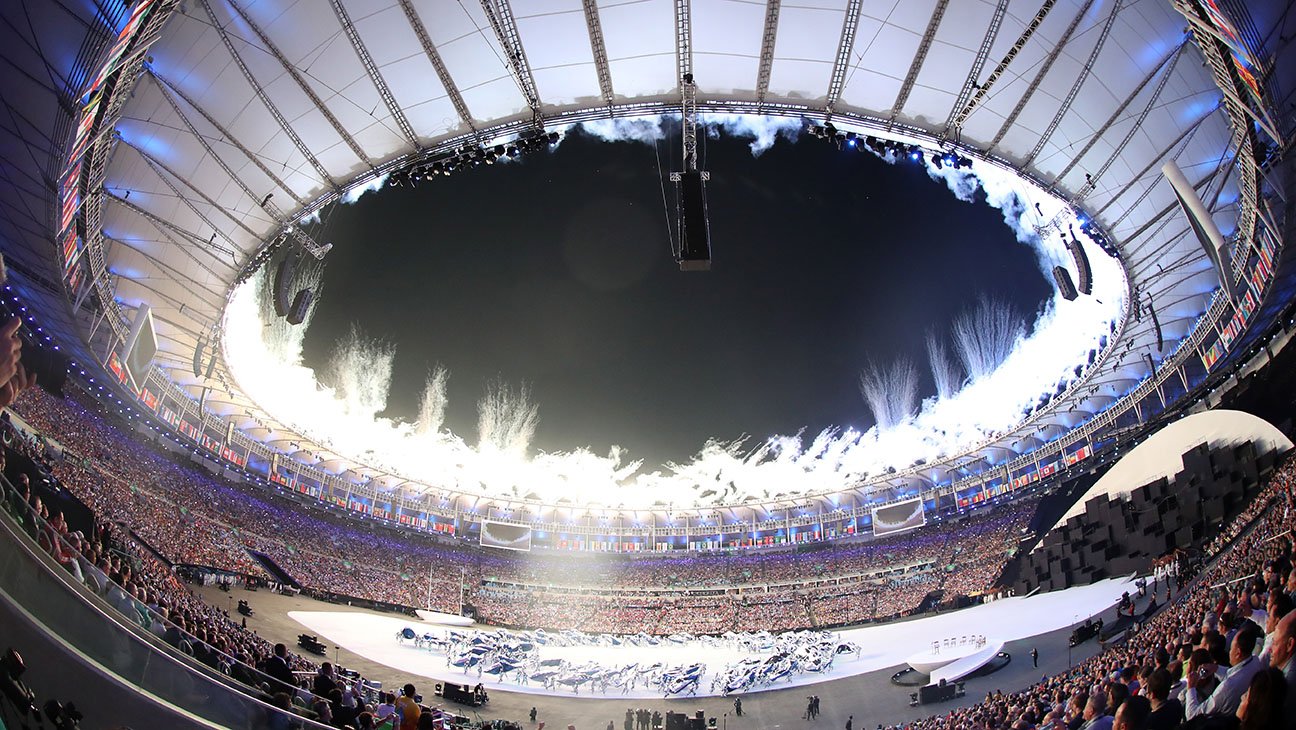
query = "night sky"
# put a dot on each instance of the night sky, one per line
(557, 271)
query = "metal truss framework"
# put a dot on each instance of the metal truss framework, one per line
(1065, 107)
(1091, 181)
(499, 13)
(1179, 141)
(595, 28)
(974, 72)
(301, 82)
(158, 166)
(434, 56)
(267, 101)
(954, 126)
(683, 41)
(1241, 115)
(768, 38)
(278, 215)
(920, 56)
(170, 93)
(1049, 60)
(375, 75)
(1166, 63)
(845, 45)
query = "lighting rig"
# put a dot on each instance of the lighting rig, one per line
(471, 156)
(881, 147)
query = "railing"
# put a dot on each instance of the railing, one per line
(70, 610)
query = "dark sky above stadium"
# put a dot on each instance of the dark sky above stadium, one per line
(556, 271)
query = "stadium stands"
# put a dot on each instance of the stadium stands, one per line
(193, 518)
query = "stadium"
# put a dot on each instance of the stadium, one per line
(231, 230)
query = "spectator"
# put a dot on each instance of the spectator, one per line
(407, 708)
(1262, 704)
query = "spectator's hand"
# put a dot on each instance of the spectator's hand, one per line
(10, 349)
(21, 380)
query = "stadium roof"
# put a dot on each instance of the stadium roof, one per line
(238, 100)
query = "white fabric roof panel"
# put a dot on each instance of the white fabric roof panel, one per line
(805, 48)
(727, 46)
(640, 41)
(557, 45)
(880, 58)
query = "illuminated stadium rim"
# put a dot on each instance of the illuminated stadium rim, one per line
(1100, 421)
(848, 121)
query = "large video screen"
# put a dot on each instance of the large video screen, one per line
(506, 536)
(141, 347)
(899, 517)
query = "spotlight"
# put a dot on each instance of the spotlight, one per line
(830, 129)
(513, 151)
(915, 154)
(553, 138)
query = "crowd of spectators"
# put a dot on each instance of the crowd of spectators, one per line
(192, 517)
(1220, 655)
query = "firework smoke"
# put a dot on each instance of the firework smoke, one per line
(891, 393)
(506, 418)
(432, 406)
(984, 336)
(944, 369)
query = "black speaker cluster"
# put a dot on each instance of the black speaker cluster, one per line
(1116, 537)
(1065, 286)
(1084, 274)
(288, 305)
(470, 156)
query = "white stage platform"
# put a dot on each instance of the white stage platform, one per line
(443, 619)
(953, 650)
(888, 645)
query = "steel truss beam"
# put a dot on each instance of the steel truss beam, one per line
(153, 165)
(215, 304)
(1075, 88)
(267, 101)
(599, 50)
(177, 305)
(1183, 139)
(164, 226)
(170, 93)
(974, 73)
(845, 45)
(1039, 77)
(958, 116)
(920, 56)
(276, 214)
(1168, 63)
(434, 56)
(375, 75)
(157, 164)
(297, 77)
(499, 13)
(683, 41)
(768, 38)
